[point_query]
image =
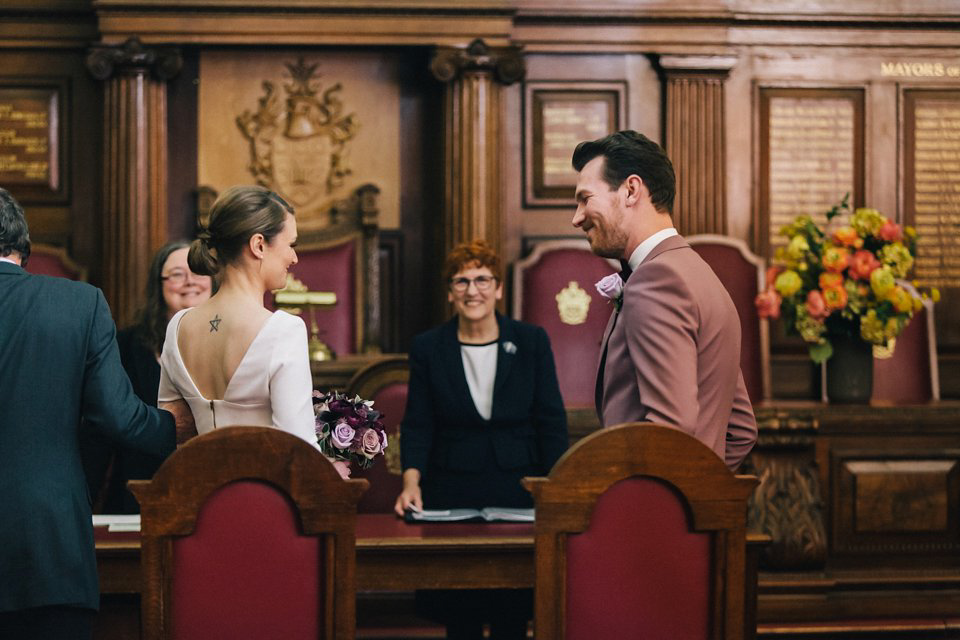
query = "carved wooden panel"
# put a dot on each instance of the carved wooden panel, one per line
(904, 502)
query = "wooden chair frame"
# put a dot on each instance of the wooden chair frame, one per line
(715, 498)
(376, 375)
(761, 265)
(325, 506)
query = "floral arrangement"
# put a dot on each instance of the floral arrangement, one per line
(842, 281)
(348, 430)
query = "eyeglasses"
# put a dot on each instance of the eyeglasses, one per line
(483, 283)
(178, 277)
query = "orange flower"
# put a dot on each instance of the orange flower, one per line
(835, 297)
(835, 259)
(901, 300)
(828, 279)
(848, 237)
(863, 264)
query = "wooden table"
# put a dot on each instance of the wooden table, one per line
(391, 555)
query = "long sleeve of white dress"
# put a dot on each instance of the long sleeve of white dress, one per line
(291, 383)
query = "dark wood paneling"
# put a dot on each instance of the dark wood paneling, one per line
(182, 148)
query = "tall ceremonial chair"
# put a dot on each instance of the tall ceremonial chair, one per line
(743, 274)
(248, 532)
(640, 533)
(554, 288)
(337, 252)
(48, 260)
(911, 374)
(385, 382)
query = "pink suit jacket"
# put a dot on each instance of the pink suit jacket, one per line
(673, 354)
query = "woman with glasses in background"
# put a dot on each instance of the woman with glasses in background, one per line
(483, 411)
(171, 286)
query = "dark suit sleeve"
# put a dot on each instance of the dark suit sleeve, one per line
(417, 427)
(109, 403)
(549, 415)
(742, 429)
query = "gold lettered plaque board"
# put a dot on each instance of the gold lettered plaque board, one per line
(811, 152)
(30, 140)
(557, 117)
(931, 198)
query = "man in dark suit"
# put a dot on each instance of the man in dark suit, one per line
(671, 351)
(58, 362)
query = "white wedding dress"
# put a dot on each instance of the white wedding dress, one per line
(272, 386)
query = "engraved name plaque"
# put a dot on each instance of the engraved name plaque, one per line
(28, 138)
(813, 155)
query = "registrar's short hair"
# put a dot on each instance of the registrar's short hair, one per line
(472, 254)
(626, 153)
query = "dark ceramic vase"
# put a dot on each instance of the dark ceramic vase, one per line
(850, 371)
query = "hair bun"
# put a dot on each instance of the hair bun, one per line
(201, 258)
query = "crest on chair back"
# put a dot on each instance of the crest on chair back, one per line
(298, 144)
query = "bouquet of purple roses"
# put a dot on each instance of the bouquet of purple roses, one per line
(348, 430)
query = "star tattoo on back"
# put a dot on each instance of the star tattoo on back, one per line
(215, 323)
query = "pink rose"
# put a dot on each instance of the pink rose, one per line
(610, 287)
(816, 305)
(768, 304)
(342, 436)
(891, 231)
(370, 443)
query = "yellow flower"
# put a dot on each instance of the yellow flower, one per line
(900, 299)
(867, 222)
(935, 294)
(898, 257)
(809, 328)
(892, 329)
(788, 283)
(882, 281)
(872, 328)
(797, 248)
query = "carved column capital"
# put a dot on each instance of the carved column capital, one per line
(718, 66)
(506, 63)
(132, 58)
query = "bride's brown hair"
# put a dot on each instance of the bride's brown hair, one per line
(239, 213)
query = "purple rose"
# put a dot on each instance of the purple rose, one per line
(370, 443)
(610, 287)
(342, 435)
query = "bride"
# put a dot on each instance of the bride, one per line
(233, 361)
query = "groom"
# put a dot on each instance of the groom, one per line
(671, 351)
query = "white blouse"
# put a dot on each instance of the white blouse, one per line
(272, 386)
(480, 367)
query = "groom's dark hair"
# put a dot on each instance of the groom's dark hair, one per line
(14, 233)
(626, 153)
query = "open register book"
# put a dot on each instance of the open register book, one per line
(118, 522)
(488, 514)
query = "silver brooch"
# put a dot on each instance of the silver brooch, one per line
(509, 347)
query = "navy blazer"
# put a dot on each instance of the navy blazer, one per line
(442, 428)
(58, 362)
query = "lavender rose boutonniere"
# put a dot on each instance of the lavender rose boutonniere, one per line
(348, 430)
(611, 288)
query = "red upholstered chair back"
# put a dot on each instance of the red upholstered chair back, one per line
(742, 273)
(385, 382)
(54, 261)
(247, 532)
(911, 375)
(246, 572)
(640, 533)
(656, 583)
(554, 288)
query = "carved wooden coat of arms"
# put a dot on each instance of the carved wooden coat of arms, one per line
(298, 147)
